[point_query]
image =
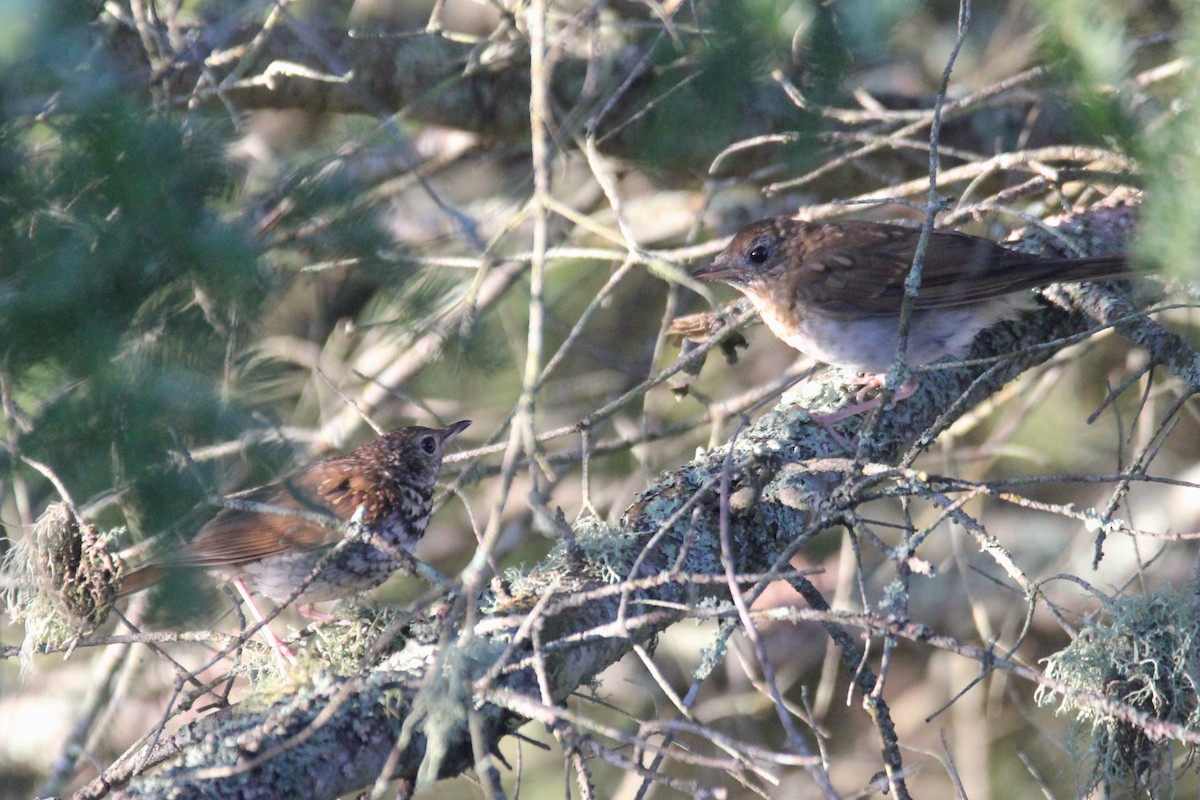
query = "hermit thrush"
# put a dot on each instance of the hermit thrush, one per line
(386, 486)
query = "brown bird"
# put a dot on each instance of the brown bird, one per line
(386, 485)
(833, 290)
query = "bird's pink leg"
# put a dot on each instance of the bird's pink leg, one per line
(863, 405)
(309, 611)
(282, 651)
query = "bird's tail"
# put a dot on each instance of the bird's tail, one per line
(1069, 270)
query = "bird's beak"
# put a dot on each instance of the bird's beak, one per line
(450, 431)
(716, 271)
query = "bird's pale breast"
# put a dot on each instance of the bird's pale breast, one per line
(868, 344)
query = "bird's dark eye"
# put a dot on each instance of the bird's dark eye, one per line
(429, 445)
(759, 254)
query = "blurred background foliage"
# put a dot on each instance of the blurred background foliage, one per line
(200, 290)
(126, 286)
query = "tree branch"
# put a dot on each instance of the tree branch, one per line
(432, 78)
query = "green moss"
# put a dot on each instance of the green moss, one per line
(1143, 652)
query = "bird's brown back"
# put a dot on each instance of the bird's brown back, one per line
(856, 268)
(390, 480)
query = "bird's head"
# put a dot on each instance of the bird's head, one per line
(756, 253)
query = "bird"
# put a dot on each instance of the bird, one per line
(833, 290)
(272, 539)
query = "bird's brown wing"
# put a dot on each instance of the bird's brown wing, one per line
(235, 536)
(856, 268)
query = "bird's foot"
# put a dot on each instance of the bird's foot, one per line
(310, 611)
(285, 654)
(863, 404)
